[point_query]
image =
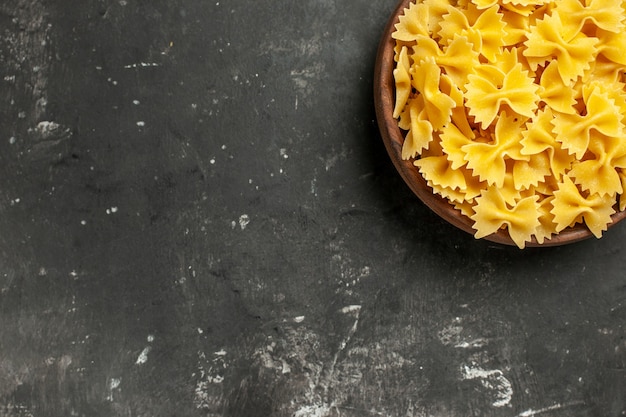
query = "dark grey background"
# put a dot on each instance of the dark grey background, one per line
(198, 218)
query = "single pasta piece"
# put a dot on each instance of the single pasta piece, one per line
(601, 118)
(492, 90)
(492, 212)
(550, 38)
(570, 206)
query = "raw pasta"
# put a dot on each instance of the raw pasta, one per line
(514, 110)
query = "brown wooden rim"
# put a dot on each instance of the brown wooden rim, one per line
(393, 138)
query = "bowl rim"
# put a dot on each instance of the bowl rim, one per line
(393, 138)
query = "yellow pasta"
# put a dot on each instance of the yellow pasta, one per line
(599, 174)
(492, 212)
(539, 138)
(604, 14)
(492, 90)
(419, 129)
(484, 29)
(413, 23)
(602, 118)
(571, 206)
(489, 160)
(549, 38)
(554, 92)
(425, 80)
(515, 110)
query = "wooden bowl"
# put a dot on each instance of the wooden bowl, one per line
(393, 137)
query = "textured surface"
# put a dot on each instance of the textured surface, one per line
(198, 218)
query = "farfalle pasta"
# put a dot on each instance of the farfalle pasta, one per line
(515, 110)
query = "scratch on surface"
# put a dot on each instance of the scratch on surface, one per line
(114, 384)
(142, 65)
(356, 311)
(143, 356)
(210, 375)
(494, 380)
(530, 412)
(475, 343)
(313, 411)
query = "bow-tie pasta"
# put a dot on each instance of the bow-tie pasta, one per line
(514, 110)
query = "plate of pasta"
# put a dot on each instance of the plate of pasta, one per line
(508, 117)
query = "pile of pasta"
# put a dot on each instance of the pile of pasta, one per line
(514, 110)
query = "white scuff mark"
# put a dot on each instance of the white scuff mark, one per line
(330, 162)
(111, 210)
(298, 319)
(210, 375)
(302, 79)
(355, 310)
(450, 335)
(494, 380)
(316, 410)
(141, 123)
(73, 309)
(12, 140)
(83, 222)
(472, 344)
(351, 309)
(283, 153)
(143, 356)
(214, 379)
(150, 338)
(285, 368)
(266, 359)
(244, 221)
(114, 384)
(47, 128)
(28, 45)
(201, 395)
(334, 157)
(142, 65)
(136, 102)
(530, 412)
(350, 275)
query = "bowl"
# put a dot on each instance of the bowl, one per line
(393, 138)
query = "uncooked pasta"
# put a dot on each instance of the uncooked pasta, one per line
(513, 110)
